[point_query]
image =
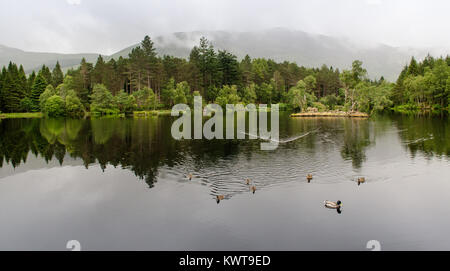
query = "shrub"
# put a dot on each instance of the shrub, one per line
(320, 107)
(141, 98)
(330, 101)
(102, 101)
(48, 92)
(54, 107)
(74, 107)
(125, 103)
(26, 104)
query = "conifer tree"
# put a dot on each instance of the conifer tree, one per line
(57, 75)
(36, 90)
(46, 73)
(30, 80)
(13, 91)
(2, 80)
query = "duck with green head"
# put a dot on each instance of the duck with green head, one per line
(333, 205)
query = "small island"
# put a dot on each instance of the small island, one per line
(335, 113)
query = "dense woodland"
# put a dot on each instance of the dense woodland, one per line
(146, 81)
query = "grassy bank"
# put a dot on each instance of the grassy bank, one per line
(150, 113)
(20, 115)
(414, 110)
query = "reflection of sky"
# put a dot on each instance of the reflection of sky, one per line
(403, 204)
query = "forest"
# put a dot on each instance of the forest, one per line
(146, 81)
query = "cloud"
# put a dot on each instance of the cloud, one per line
(105, 26)
(74, 2)
(374, 2)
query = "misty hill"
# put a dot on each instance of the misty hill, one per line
(34, 60)
(306, 49)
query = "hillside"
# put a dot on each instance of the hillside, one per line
(306, 49)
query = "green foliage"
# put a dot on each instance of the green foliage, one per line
(64, 88)
(27, 104)
(310, 82)
(125, 103)
(298, 98)
(37, 89)
(160, 82)
(330, 101)
(182, 93)
(13, 88)
(320, 106)
(74, 107)
(227, 95)
(102, 101)
(57, 75)
(264, 93)
(249, 94)
(142, 98)
(228, 68)
(373, 98)
(425, 84)
(54, 107)
(169, 93)
(48, 92)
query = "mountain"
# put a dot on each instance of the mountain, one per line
(34, 60)
(310, 50)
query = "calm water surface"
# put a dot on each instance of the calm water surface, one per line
(120, 184)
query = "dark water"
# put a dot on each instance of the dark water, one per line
(120, 184)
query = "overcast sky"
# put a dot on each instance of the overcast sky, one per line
(106, 26)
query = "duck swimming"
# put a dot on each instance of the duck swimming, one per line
(253, 188)
(361, 180)
(247, 181)
(219, 198)
(333, 205)
(309, 177)
(189, 176)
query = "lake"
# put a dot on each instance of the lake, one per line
(120, 184)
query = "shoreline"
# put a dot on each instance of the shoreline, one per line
(331, 114)
(27, 115)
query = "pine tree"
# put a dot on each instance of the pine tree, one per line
(57, 75)
(98, 74)
(2, 80)
(37, 89)
(228, 68)
(150, 67)
(246, 68)
(413, 68)
(148, 48)
(30, 81)
(137, 68)
(46, 73)
(13, 91)
(23, 81)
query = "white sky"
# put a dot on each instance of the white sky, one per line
(106, 26)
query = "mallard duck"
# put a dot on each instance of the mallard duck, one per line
(309, 177)
(247, 181)
(189, 176)
(253, 188)
(361, 180)
(219, 198)
(333, 205)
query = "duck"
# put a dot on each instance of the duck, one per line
(219, 198)
(309, 177)
(189, 176)
(247, 181)
(253, 188)
(333, 205)
(361, 180)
